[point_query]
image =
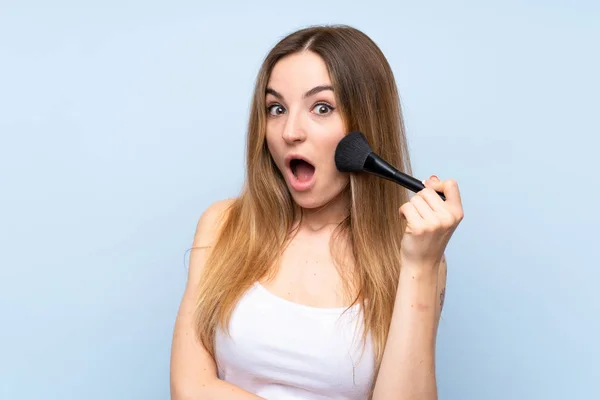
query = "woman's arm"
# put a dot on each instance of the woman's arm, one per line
(407, 370)
(193, 371)
(408, 367)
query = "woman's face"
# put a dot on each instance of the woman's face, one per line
(304, 127)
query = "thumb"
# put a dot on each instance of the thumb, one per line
(434, 183)
(450, 190)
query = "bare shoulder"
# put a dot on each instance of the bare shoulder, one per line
(192, 367)
(207, 230)
(211, 221)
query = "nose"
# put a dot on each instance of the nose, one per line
(293, 130)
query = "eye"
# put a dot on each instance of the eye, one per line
(275, 110)
(323, 108)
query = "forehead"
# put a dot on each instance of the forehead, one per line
(299, 72)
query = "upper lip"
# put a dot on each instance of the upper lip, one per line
(295, 156)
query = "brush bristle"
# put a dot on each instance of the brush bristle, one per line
(352, 152)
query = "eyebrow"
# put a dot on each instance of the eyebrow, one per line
(311, 92)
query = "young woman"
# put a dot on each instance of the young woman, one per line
(317, 284)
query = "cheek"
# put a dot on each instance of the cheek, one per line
(275, 147)
(336, 133)
(330, 145)
(273, 135)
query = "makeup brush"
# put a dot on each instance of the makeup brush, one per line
(353, 154)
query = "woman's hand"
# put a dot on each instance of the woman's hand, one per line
(431, 222)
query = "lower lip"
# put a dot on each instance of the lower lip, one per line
(300, 186)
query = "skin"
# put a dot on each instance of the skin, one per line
(311, 126)
(408, 365)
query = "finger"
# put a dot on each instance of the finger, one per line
(450, 189)
(424, 209)
(436, 185)
(433, 199)
(452, 194)
(411, 214)
(443, 213)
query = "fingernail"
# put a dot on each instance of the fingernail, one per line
(434, 178)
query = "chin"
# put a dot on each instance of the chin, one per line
(308, 201)
(315, 198)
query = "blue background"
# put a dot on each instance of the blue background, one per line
(121, 122)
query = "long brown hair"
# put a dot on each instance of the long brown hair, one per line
(258, 223)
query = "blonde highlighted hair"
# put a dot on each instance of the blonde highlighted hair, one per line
(257, 225)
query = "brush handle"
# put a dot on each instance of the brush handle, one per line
(378, 166)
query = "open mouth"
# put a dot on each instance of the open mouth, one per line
(303, 170)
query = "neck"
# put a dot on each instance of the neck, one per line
(329, 215)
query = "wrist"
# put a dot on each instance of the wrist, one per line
(419, 269)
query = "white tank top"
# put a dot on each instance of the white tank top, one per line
(282, 350)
